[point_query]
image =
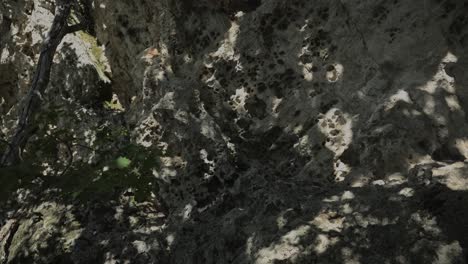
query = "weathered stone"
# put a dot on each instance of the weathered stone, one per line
(287, 131)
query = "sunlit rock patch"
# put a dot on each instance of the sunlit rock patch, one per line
(248, 132)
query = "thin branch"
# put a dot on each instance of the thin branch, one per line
(32, 101)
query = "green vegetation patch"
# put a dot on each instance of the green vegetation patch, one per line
(97, 55)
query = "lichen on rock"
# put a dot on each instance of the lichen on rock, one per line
(243, 131)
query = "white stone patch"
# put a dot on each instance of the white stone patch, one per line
(82, 50)
(182, 116)
(365, 220)
(39, 22)
(428, 223)
(462, 145)
(239, 99)
(429, 106)
(347, 195)
(170, 239)
(396, 179)
(332, 199)
(4, 56)
(453, 103)
(346, 208)
(47, 169)
(187, 211)
(450, 58)
(378, 182)
(230, 146)
(188, 58)
(207, 129)
(341, 170)
(275, 104)
(226, 49)
(90, 137)
(349, 257)
(337, 126)
(400, 95)
(336, 74)
(407, 192)
(323, 242)
(145, 128)
(450, 253)
(454, 176)
(167, 102)
(110, 258)
(140, 246)
(249, 246)
(307, 72)
(211, 165)
(433, 84)
(165, 174)
(287, 248)
(169, 165)
(327, 222)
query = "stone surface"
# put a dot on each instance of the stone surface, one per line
(287, 131)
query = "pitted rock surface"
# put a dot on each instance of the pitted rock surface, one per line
(289, 131)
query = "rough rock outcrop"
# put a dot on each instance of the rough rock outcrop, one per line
(286, 131)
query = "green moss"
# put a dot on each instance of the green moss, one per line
(120, 165)
(113, 105)
(96, 53)
(123, 162)
(109, 177)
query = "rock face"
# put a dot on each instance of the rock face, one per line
(287, 131)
